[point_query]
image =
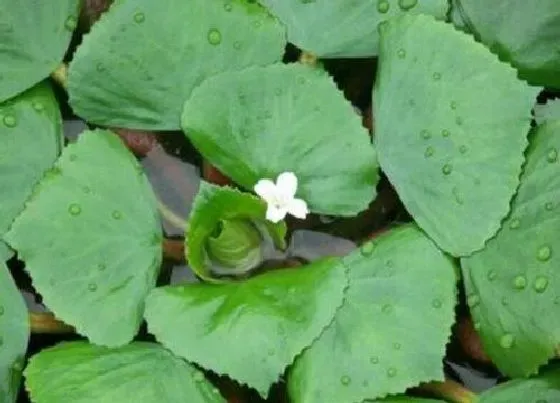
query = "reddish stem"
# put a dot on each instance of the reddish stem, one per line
(211, 174)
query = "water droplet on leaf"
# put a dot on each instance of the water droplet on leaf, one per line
(367, 249)
(429, 152)
(544, 253)
(445, 133)
(374, 360)
(436, 303)
(38, 106)
(401, 53)
(407, 4)
(447, 169)
(552, 155)
(436, 76)
(391, 372)
(10, 121)
(541, 283)
(70, 23)
(116, 214)
(397, 346)
(515, 223)
(520, 282)
(227, 6)
(453, 105)
(237, 45)
(92, 287)
(506, 341)
(491, 275)
(425, 134)
(463, 149)
(139, 18)
(214, 37)
(74, 209)
(383, 6)
(345, 380)
(387, 308)
(473, 300)
(549, 206)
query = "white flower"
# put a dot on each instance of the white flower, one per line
(280, 197)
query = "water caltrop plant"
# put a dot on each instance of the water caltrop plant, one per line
(464, 133)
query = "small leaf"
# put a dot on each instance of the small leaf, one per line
(143, 58)
(31, 138)
(285, 118)
(544, 388)
(79, 372)
(391, 331)
(547, 112)
(336, 29)
(14, 335)
(451, 128)
(513, 283)
(524, 33)
(90, 237)
(249, 330)
(213, 205)
(34, 37)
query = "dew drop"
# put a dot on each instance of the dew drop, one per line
(549, 206)
(436, 303)
(271, 352)
(38, 106)
(74, 209)
(515, 223)
(463, 149)
(10, 121)
(473, 300)
(101, 267)
(116, 214)
(374, 360)
(383, 6)
(391, 372)
(257, 24)
(477, 325)
(70, 23)
(429, 152)
(381, 26)
(214, 37)
(505, 302)
(198, 376)
(1, 310)
(445, 133)
(425, 134)
(367, 249)
(407, 4)
(459, 120)
(228, 7)
(267, 292)
(506, 341)
(92, 287)
(387, 308)
(540, 284)
(139, 18)
(552, 155)
(86, 189)
(397, 346)
(401, 53)
(345, 380)
(520, 282)
(447, 169)
(100, 68)
(544, 253)
(457, 195)
(436, 76)
(491, 276)
(453, 105)
(237, 45)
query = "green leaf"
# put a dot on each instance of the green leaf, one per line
(5, 252)
(249, 330)
(391, 331)
(31, 138)
(14, 335)
(549, 111)
(213, 205)
(525, 33)
(513, 283)
(404, 399)
(34, 36)
(540, 389)
(336, 29)
(90, 237)
(79, 372)
(142, 59)
(285, 118)
(451, 128)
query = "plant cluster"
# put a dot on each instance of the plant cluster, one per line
(457, 133)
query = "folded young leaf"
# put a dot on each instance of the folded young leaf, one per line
(285, 118)
(391, 331)
(214, 205)
(90, 236)
(31, 139)
(79, 372)
(143, 58)
(525, 33)
(252, 330)
(34, 36)
(451, 128)
(513, 284)
(342, 28)
(543, 388)
(14, 335)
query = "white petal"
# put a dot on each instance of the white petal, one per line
(298, 208)
(287, 184)
(266, 189)
(275, 214)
